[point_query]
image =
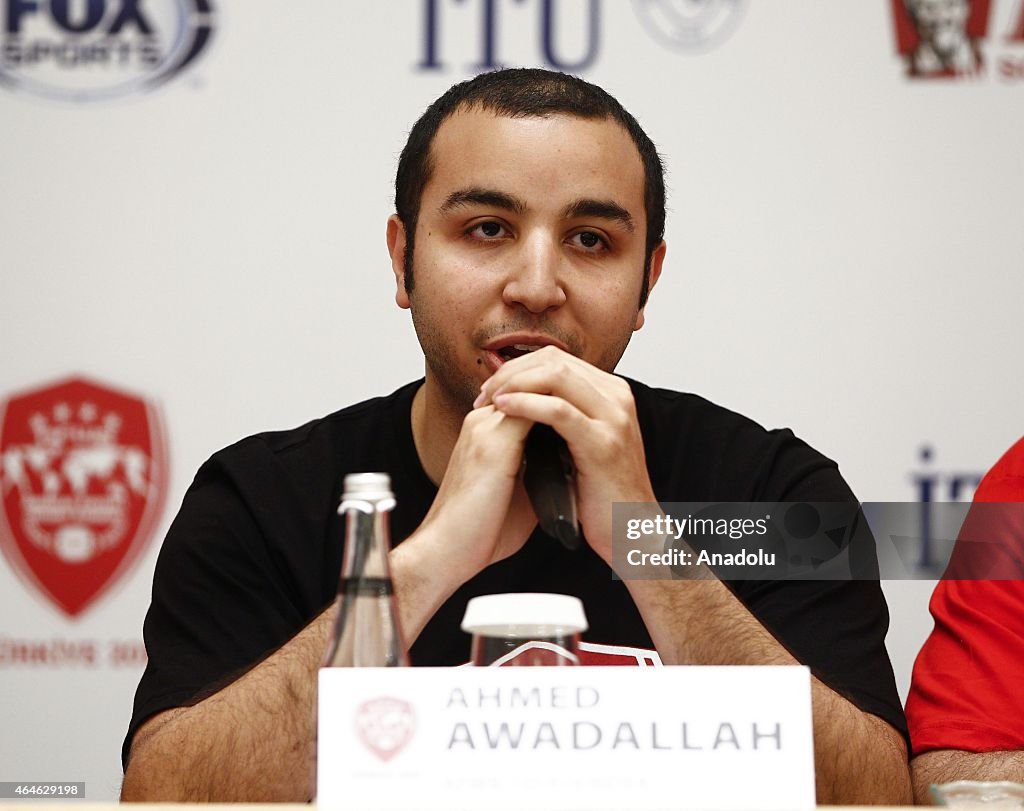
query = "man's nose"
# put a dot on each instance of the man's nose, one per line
(535, 279)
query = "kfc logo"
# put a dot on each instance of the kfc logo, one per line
(941, 38)
(385, 725)
(946, 39)
(83, 478)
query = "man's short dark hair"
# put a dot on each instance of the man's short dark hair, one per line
(523, 93)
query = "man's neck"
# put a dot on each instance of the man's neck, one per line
(436, 423)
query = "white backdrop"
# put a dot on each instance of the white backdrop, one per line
(844, 259)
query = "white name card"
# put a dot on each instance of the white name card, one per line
(588, 738)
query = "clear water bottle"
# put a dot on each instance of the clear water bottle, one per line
(516, 630)
(366, 629)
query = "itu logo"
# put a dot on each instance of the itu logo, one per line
(566, 35)
(88, 50)
(933, 487)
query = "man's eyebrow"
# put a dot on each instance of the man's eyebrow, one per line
(604, 209)
(483, 197)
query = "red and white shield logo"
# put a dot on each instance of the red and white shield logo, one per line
(385, 725)
(83, 479)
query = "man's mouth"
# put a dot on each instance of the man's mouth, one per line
(507, 353)
(516, 346)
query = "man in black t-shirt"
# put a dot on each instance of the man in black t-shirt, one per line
(528, 234)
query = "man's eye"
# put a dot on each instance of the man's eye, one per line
(590, 241)
(488, 230)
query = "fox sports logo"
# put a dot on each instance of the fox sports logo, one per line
(88, 50)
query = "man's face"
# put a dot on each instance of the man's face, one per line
(941, 23)
(531, 231)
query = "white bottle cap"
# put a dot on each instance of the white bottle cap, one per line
(524, 615)
(367, 485)
(367, 492)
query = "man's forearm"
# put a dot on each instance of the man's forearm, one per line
(859, 758)
(947, 765)
(252, 741)
(423, 581)
(255, 740)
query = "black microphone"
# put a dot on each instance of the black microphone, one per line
(550, 479)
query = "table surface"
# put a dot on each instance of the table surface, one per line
(20, 805)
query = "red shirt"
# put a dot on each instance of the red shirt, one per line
(967, 690)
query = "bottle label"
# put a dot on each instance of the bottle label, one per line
(366, 586)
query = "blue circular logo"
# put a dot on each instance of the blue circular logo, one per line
(689, 25)
(89, 50)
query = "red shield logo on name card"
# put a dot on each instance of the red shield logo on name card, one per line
(83, 479)
(385, 725)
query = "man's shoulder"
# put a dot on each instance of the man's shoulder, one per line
(710, 452)
(364, 415)
(685, 410)
(353, 435)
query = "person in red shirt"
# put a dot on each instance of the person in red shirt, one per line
(965, 708)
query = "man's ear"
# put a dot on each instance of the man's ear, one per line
(396, 248)
(657, 260)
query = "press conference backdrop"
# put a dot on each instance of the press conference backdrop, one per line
(192, 205)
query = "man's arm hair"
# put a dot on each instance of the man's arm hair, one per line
(947, 765)
(859, 758)
(252, 741)
(255, 739)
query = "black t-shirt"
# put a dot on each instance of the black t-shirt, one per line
(255, 551)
